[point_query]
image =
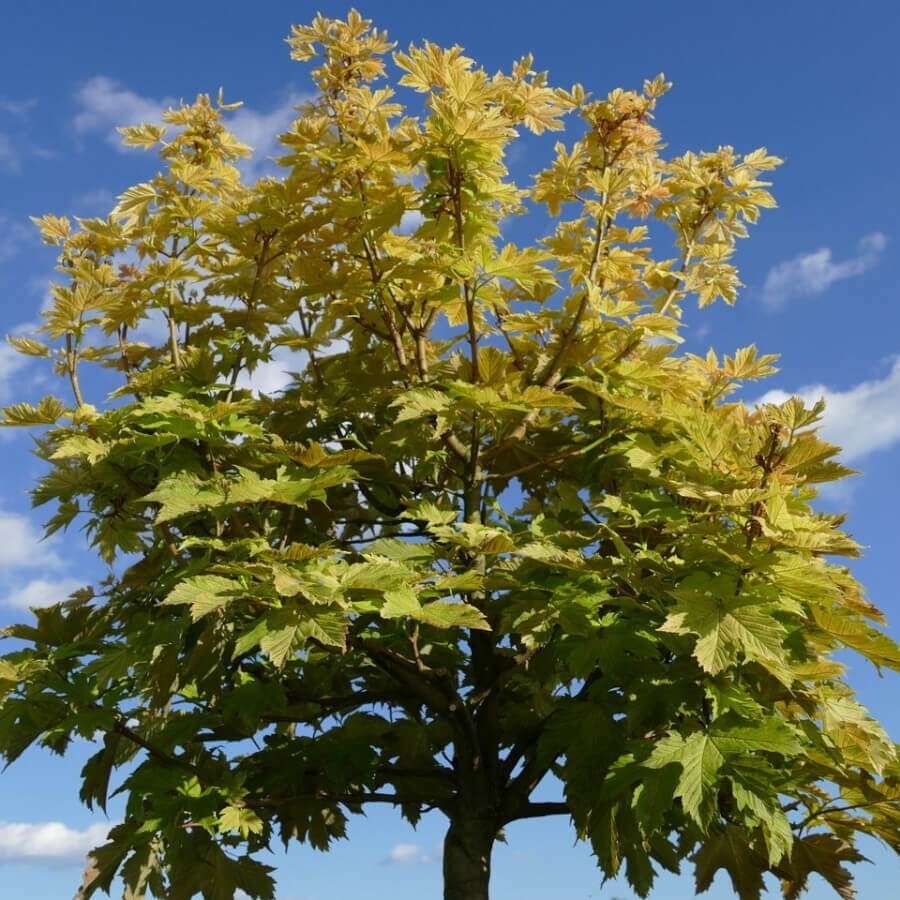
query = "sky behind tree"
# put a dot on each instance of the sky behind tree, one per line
(815, 83)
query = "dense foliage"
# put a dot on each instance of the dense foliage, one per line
(494, 532)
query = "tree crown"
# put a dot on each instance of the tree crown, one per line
(494, 529)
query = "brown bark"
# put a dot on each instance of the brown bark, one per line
(467, 856)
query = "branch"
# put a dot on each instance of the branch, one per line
(678, 288)
(390, 511)
(689, 243)
(422, 681)
(422, 351)
(173, 336)
(517, 356)
(532, 772)
(127, 368)
(261, 263)
(119, 727)
(538, 810)
(72, 366)
(518, 750)
(330, 796)
(455, 445)
(553, 371)
(306, 328)
(827, 810)
(542, 462)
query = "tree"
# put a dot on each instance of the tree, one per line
(495, 532)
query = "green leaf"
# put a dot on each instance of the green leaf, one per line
(820, 854)
(240, 819)
(104, 861)
(729, 626)
(448, 614)
(96, 773)
(702, 757)
(771, 735)
(47, 412)
(178, 495)
(399, 603)
(279, 644)
(29, 346)
(404, 602)
(420, 404)
(81, 446)
(204, 594)
(727, 848)
(701, 761)
(848, 629)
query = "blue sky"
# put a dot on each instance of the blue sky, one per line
(815, 82)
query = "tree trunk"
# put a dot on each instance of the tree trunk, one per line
(467, 857)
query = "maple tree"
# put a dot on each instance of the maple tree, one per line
(495, 532)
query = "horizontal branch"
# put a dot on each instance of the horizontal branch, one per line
(330, 797)
(538, 810)
(828, 810)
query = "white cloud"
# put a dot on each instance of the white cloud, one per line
(404, 854)
(411, 221)
(260, 130)
(11, 362)
(21, 545)
(42, 592)
(863, 419)
(48, 842)
(98, 201)
(410, 855)
(17, 108)
(271, 377)
(106, 104)
(13, 235)
(813, 273)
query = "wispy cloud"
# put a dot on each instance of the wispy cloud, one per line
(42, 592)
(18, 108)
(106, 104)
(95, 201)
(862, 419)
(13, 235)
(813, 273)
(11, 363)
(48, 842)
(12, 367)
(14, 144)
(9, 156)
(33, 573)
(410, 855)
(22, 545)
(260, 130)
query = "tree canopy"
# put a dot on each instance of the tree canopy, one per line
(494, 532)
